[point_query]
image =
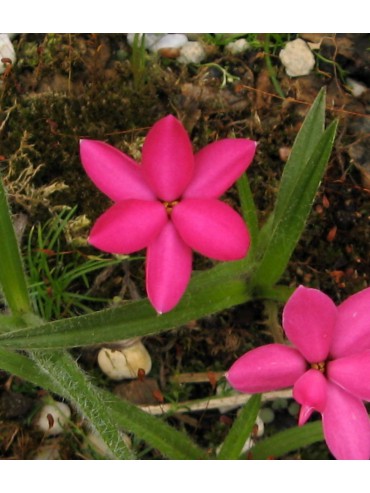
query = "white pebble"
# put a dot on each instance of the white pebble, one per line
(150, 39)
(191, 52)
(125, 362)
(357, 88)
(169, 41)
(53, 418)
(6, 51)
(237, 47)
(297, 58)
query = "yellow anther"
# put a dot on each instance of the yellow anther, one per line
(319, 366)
(170, 205)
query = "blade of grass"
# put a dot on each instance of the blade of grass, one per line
(12, 277)
(289, 220)
(270, 69)
(242, 428)
(287, 441)
(249, 210)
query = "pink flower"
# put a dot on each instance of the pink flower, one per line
(169, 204)
(329, 367)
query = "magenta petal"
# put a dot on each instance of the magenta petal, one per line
(266, 368)
(114, 173)
(352, 373)
(128, 226)
(310, 390)
(167, 158)
(304, 414)
(212, 228)
(346, 425)
(308, 319)
(168, 269)
(218, 166)
(352, 330)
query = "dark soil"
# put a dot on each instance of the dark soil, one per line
(64, 87)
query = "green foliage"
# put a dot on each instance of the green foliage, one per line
(242, 428)
(138, 61)
(53, 273)
(298, 187)
(54, 270)
(255, 41)
(287, 441)
(12, 278)
(209, 292)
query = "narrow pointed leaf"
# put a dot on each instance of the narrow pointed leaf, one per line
(209, 292)
(12, 277)
(285, 228)
(249, 211)
(287, 441)
(241, 430)
(307, 139)
(155, 432)
(70, 382)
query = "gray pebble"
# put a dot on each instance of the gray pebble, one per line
(192, 52)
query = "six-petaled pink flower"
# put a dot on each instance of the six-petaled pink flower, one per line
(328, 367)
(169, 204)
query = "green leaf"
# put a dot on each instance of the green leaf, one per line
(155, 432)
(71, 383)
(283, 231)
(241, 430)
(12, 278)
(275, 293)
(249, 211)
(210, 291)
(307, 139)
(287, 441)
(170, 442)
(9, 323)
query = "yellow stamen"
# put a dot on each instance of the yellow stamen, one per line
(319, 366)
(170, 205)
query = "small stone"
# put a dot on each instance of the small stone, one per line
(150, 39)
(279, 404)
(267, 415)
(293, 409)
(284, 153)
(356, 88)
(125, 362)
(53, 418)
(359, 154)
(192, 52)
(237, 47)
(297, 58)
(7, 52)
(169, 52)
(140, 392)
(169, 41)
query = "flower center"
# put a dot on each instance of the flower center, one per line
(321, 366)
(170, 205)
